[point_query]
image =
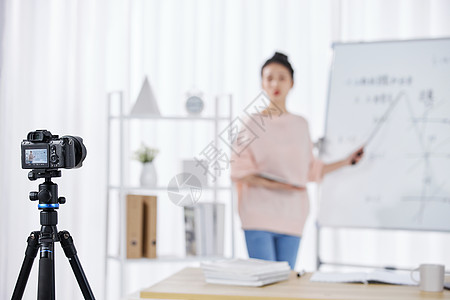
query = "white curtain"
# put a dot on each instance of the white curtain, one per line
(60, 58)
(53, 77)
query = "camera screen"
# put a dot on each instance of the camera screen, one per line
(35, 156)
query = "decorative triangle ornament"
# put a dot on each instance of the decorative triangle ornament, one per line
(146, 102)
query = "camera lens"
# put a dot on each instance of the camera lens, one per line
(80, 149)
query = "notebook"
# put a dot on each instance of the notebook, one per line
(279, 179)
(389, 277)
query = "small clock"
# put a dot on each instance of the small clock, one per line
(194, 104)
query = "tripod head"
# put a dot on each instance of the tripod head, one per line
(48, 190)
(38, 173)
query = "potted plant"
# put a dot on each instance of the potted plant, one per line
(146, 155)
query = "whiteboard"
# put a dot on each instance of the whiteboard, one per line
(393, 97)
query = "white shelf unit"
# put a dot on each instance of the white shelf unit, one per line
(117, 116)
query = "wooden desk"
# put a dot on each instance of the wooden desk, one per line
(190, 284)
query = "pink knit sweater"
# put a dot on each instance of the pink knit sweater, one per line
(281, 146)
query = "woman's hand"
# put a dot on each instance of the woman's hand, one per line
(352, 159)
(256, 180)
(355, 157)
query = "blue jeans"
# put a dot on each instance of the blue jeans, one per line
(272, 246)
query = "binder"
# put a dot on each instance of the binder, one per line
(150, 217)
(135, 218)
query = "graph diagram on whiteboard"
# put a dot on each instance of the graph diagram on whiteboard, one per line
(393, 98)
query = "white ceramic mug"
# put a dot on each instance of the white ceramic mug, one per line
(431, 277)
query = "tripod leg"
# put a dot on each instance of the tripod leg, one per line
(71, 254)
(30, 255)
(46, 284)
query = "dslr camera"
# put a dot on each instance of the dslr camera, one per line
(43, 150)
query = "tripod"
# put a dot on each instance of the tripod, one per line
(45, 239)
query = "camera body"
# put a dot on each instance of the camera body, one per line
(42, 150)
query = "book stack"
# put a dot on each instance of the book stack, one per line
(245, 272)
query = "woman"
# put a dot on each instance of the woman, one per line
(273, 212)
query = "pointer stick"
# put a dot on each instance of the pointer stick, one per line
(380, 122)
(383, 118)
